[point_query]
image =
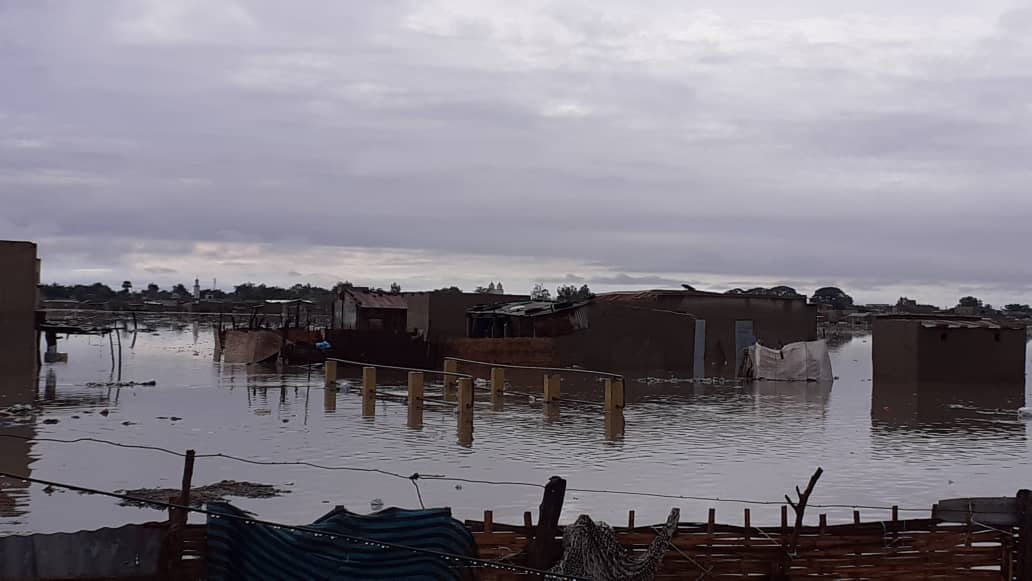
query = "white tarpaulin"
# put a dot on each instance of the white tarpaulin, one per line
(803, 361)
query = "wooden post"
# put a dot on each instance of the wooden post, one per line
(330, 399)
(415, 399)
(800, 508)
(451, 367)
(544, 550)
(465, 406)
(630, 520)
(747, 520)
(331, 373)
(614, 425)
(178, 517)
(614, 394)
(368, 391)
(552, 382)
(711, 520)
(497, 381)
(856, 517)
(1024, 549)
(488, 521)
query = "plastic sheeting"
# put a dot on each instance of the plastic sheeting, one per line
(803, 361)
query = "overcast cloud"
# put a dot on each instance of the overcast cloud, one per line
(881, 146)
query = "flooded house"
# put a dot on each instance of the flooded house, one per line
(725, 325)
(406, 328)
(18, 302)
(948, 349)
(591, 334)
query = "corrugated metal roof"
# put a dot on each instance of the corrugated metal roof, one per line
(952, 322)
(375, 300)
(526, 308)
(127, 551)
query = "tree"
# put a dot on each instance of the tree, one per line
(1017, 308)
(126, 286)
(540, 293)
(832, 297)
(153, 289)
(180, 289)
(570, 293)
(449, 289)
(395, 288)
(969, 301)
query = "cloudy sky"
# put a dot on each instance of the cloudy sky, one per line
(882, 146)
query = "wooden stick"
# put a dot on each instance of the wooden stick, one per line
(488, 521)
(630, 520)
(711, 520)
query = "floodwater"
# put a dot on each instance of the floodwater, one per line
(754, 442)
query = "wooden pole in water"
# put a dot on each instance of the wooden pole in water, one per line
(465, 403)
(368, 391)
(614, 395)
(497, 381)
(552, 382)
(331, 373)
(415, 399)
(451, 367)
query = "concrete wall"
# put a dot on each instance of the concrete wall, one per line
(906, 351)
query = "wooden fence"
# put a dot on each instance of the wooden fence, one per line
(902, 549)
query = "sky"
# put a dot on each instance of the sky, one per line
(877, 146)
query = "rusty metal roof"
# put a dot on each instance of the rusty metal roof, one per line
(526, 308)
(952, 322)
(378, 300)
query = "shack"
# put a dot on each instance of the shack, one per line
(363, 309)
(591, 334)
(724, 325)
(944, 349)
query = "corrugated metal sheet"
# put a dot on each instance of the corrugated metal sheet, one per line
(128, 551)
(374, 300)
(238, 550)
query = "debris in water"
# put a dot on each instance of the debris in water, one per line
(104, 412)
(376, 504)
(121, 383)
(18, 409)
(175, 418)
(128, 423)
(202, 494)
(50, 421)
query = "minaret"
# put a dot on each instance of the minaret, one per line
(196, 289)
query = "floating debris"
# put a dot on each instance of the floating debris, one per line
(121, 383)
(376, 504)
(51, 421)
(201, 495)
(104, 412)
(18, 409)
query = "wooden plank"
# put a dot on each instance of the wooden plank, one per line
(1023, 505)
(994, 511)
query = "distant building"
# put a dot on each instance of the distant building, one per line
(366, 310)
(943, 349)
(197, 289)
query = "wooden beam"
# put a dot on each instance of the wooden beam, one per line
(545, 550)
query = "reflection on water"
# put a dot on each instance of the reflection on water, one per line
(878, 445)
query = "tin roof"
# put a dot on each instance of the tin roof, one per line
(526, 308)
(647, 295)
(953, 322)
(378, 300)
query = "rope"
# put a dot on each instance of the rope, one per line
(537, 368)
(446, 478)
(398, 367)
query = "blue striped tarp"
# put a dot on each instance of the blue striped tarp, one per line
(238, 550)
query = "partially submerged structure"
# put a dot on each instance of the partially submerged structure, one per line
(802, 361)
(726, 324)
(948, 349)
(588, 334)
